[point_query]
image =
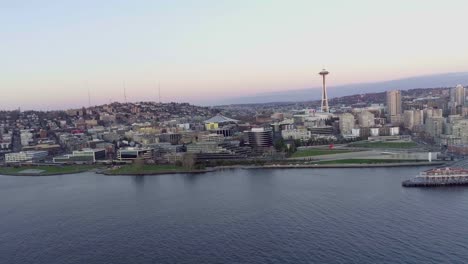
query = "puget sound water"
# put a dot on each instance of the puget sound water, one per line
(232, 216)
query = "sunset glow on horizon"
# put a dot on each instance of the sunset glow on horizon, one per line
(202, 52)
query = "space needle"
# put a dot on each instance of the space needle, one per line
(325, 108)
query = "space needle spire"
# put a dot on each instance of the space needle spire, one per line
(325, 107)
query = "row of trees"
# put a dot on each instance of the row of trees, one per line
(326, 141)
(290, 146)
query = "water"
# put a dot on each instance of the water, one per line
(233, 216)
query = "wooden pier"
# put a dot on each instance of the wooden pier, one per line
(439, 177)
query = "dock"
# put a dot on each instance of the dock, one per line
(448, 176)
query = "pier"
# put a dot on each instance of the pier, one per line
(439, 177)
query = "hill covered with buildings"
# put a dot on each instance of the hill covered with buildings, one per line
(181, 133)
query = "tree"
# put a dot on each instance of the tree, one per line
(297, 143)
(280, 145)
(188, 161)
(292, 148)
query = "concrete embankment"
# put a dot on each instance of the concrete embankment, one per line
(278, 166)
(272, 166)
(318, 166)
(110, 173)
(42, 173)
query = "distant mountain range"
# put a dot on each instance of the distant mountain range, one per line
(426, 81)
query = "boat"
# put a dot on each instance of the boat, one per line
(447, 176)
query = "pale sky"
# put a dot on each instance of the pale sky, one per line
(52, 52)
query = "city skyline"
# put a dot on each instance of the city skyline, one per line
(221, 131)
(203, 53)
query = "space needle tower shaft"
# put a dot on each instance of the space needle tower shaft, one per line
(325, 107)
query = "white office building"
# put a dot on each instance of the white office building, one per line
(301, 134)
(26, 137)
(25, 156)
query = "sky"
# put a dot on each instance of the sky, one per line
(53, 52)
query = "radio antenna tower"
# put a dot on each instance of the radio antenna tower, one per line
(89, 98)
(159, 91)
(125, 92)
(86, 84)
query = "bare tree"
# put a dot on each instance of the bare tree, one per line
(188, 161)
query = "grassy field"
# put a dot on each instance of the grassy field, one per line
(317, 152)
(47, 170)
(145, 169)
(383, 144)
(363, 161)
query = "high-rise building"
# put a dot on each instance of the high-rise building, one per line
(457, 99)
(457, 95)
(418, 120)
(394, 105)
(394, 102)
(464, 111)
(434, 126)
(347, 122)
(408, 119)
(432, 112)
(460, 130)
(418, 117)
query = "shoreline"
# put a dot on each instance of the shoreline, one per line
(105, 172)
(256, 167)
(46, 174)
(328, 166)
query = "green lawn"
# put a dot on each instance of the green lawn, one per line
(317, 152)
(379, 144)
(47, 170)
(146, 169)
(363, 161)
